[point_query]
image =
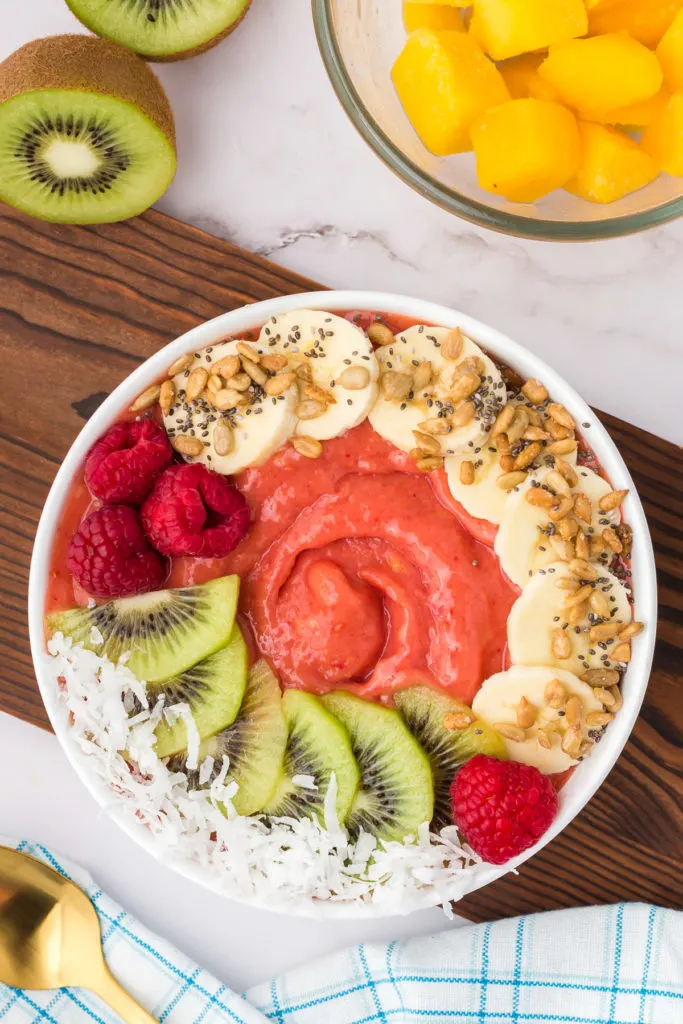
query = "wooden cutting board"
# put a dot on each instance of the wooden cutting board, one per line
(82, 307)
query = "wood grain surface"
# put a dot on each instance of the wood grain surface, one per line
(81, 307)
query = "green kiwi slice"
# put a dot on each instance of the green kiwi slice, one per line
(162, 29)
(86, 131)
(424, 711)
(317, 746)
(213, 689)
(396, 794)
(164, 632)
(254, 744)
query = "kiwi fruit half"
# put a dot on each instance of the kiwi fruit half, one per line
(254, 744)
(162, 29)
(86, 131)
(317, 745)
(396, 793)
(213, 689)
(165, 632)
(424, 711)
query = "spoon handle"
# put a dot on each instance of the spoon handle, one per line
(116, 997)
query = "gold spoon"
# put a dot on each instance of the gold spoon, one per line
(50, 935)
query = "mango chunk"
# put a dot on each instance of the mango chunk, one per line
(645, 20)
(523, 80)
(612, 165)
(439, 17)
(445, 81)
(512, 27)
(596, 76)
(525, 149)
(638, 115)
(670, 53)
(663, 139)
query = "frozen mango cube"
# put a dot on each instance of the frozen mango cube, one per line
(445, 81)
(439, 17)
(645, 20)
(596, 76)
(640, 114)
(663, 139)
(512, 27)
(525, 149)
(523, 80)
(612, 165)
(670, 53)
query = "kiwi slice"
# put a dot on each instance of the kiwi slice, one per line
(317, 745)
(255, 743)
(162, 29)
(165, 632)
(396, 794)
(424, 711)
(86, 131)
(213, 689)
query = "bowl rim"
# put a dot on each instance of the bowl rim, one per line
(591, 773)
(475, 212)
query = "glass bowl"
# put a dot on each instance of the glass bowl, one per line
(359, 41)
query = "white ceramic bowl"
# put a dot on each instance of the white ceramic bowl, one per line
(588, 776)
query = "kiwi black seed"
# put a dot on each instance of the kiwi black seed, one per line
(86, 131)
(426, 713)
(396, 793)
(162, 30)
(164, 632)
(318, 746)
(254, 744)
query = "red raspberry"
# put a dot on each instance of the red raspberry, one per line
(501, 807)
(109, 555)
(193, 511)
(123, 465)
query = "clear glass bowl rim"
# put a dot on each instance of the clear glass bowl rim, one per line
(449, 199)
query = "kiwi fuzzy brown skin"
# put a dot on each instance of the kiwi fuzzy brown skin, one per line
(170, 58)
(90, 64)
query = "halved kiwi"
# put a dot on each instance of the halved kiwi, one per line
(317, 745)
(396, 794)
(162, 29)
(213, 689)
(86, 131)
(424, 711)
(254, 744)
(165, 632)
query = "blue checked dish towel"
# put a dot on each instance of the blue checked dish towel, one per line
(605, 965)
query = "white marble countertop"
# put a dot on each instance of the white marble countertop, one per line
(269, 160)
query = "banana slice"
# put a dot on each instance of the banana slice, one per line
(523, 544)
(483, 498)
(234, 437)
(539, 621)
(525, 694)
(405, 403)
(336, 364)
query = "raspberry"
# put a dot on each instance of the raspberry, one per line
(193, 511)
(501, 807)
(123, 465)
(109, 555)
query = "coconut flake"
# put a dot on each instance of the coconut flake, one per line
(304, 781)
(286, 864)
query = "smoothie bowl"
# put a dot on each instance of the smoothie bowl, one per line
(343, 604)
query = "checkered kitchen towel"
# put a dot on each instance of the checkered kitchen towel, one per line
(603, 965)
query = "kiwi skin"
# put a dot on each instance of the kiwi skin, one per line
(181, 54)
(88, 64)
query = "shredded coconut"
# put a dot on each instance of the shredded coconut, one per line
(304, 781)
(281, 863)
